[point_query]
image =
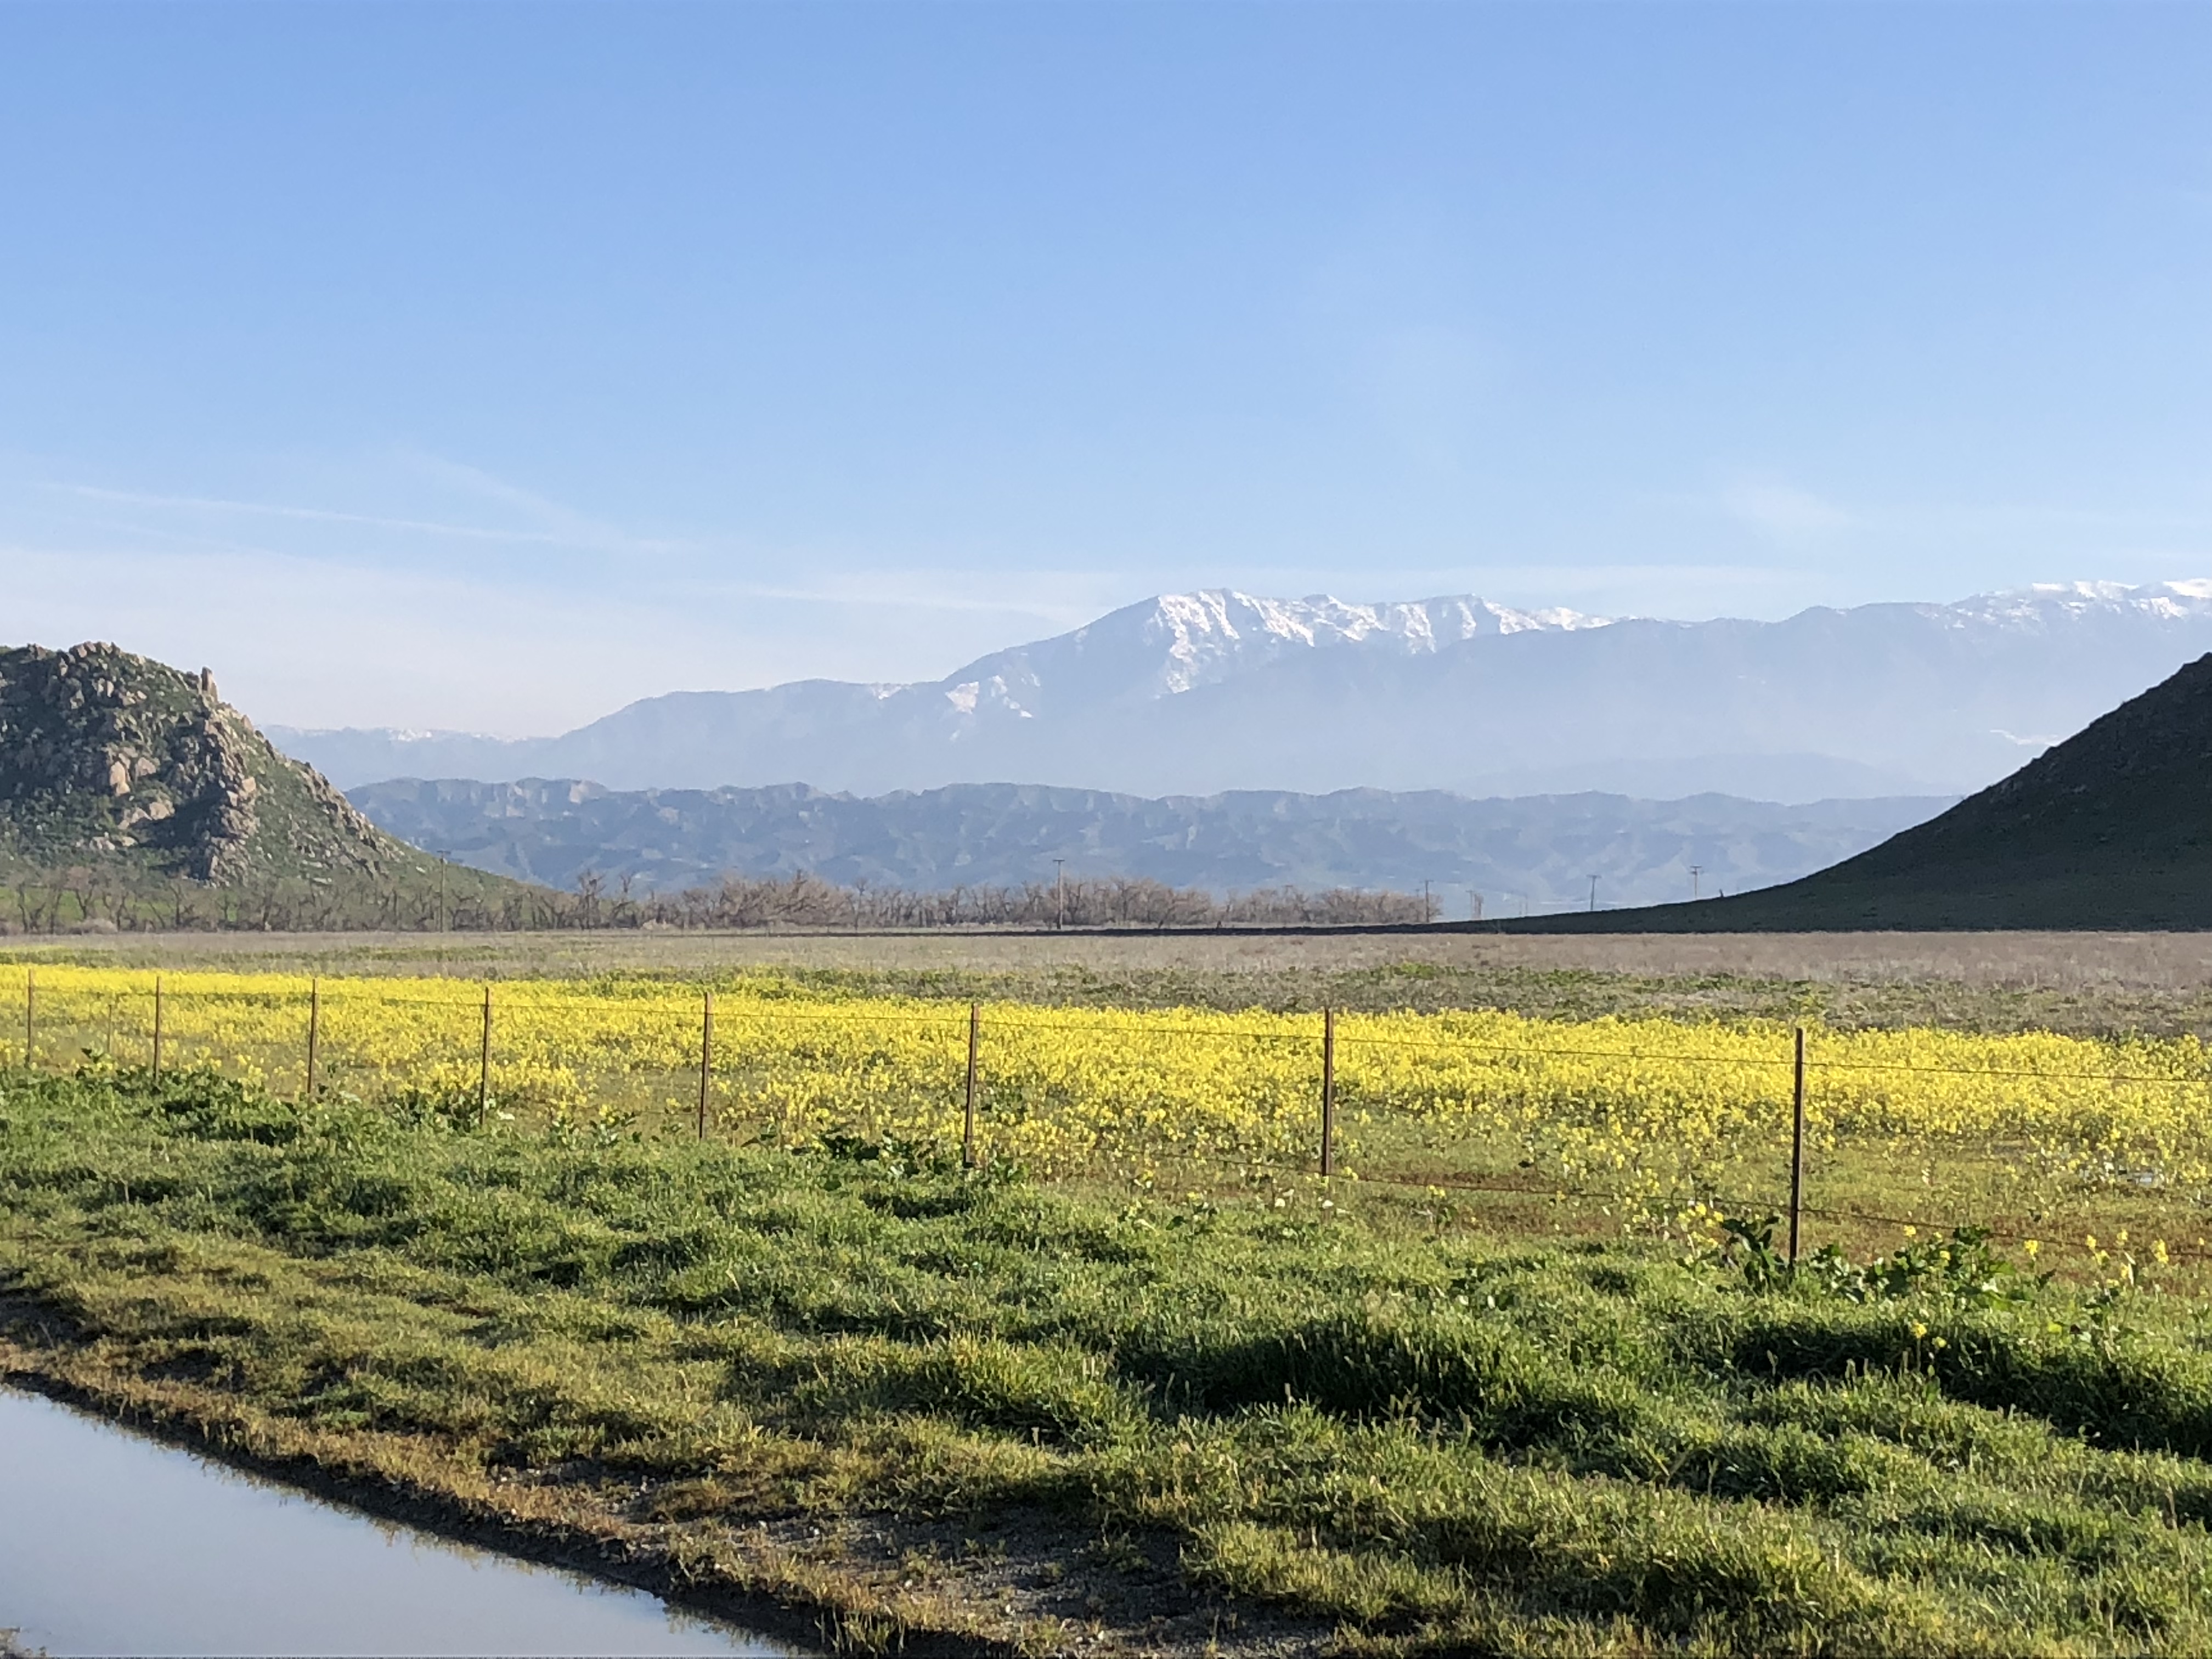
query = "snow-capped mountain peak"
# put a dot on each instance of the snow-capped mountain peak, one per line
(1177, 642)
(2045, 605)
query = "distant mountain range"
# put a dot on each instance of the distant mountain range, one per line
(1536, 854)
(2111, 828)
(1197, 693)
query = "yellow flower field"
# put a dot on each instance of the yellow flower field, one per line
(1655, 1109)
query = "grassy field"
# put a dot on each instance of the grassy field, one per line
(1650, 1124)
(1216, 1410)
(957, 1410)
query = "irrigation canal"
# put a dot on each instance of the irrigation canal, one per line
(111, 1543)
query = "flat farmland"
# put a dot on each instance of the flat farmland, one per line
(2049, 1087)
(2095, 984)
(1069, 1347)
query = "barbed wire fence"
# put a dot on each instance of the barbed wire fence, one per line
(140, 1027)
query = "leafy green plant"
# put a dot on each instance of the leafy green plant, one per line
(1748, 1248)
(1961, 1268)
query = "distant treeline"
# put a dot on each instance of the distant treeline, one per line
(93, 898)
(802, 901)
(78, 900)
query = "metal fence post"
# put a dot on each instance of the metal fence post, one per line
(706, 1057)
(483, 1064)
(1797, 1147)
(157, 1029)
(967, 1120)
(314, 1030)
(1328, 1091)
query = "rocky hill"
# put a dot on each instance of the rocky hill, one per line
(117, 767)
(2111, 828)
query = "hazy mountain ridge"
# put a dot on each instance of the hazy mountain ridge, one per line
(2111, 828)
(1197, 693)
(1538, 850)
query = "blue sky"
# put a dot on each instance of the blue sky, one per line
(490, 366)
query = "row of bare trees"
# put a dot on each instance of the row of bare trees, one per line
(76, 900)
(802, 901)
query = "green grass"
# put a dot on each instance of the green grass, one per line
(939, 1404)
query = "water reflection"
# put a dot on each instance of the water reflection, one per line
(111, 1544)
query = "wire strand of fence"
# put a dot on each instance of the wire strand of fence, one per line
(1441, 1181)
(617, 1051)
(525, 999)
(1736, 1205)
(2194, 1080)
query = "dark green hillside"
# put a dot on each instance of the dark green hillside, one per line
(130, 792)
(2111, 828)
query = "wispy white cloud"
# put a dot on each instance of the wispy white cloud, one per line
(1388, 309)
(556, 520)
(544, 522)
(207, 504)
(1781, 511)
(424, 591)
(318, 643)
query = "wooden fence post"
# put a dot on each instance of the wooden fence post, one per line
(967, 1120)
(706, 1057)
(1328, 1092)
(483, 1064)
(157, 1030)
(1797, 1148)
(314, 1030)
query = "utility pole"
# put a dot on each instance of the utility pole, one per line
(1428, 910)
(1696, 870)
(1060, 892)
(1592, 892)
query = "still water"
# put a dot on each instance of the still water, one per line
(113, 1544)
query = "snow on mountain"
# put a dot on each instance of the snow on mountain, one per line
(1193, 693)
(1177, 642)
(2058, 604)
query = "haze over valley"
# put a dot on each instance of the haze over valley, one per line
(1503, 757)
(1529, 854)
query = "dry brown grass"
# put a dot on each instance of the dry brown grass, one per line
(2170, 961)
